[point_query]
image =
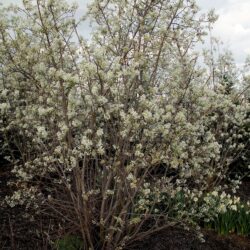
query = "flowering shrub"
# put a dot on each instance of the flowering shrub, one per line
(111, 134)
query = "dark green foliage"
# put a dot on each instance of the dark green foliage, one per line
(232, 222)
(69, 242)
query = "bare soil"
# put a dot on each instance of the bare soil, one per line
(179, 239)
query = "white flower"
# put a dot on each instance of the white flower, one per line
(86, 142)
(222, 208)
(215, 193)
(110, 192)
(4, 92)
(130, 177)
(147, 115)
(234, 207)
(42, 132)
(223, 195)
(4, 106)
(99, 132)
(195, 199)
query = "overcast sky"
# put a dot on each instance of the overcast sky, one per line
(232, 27)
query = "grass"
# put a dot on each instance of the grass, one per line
(69, 242)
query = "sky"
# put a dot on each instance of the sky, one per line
(232, 27)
